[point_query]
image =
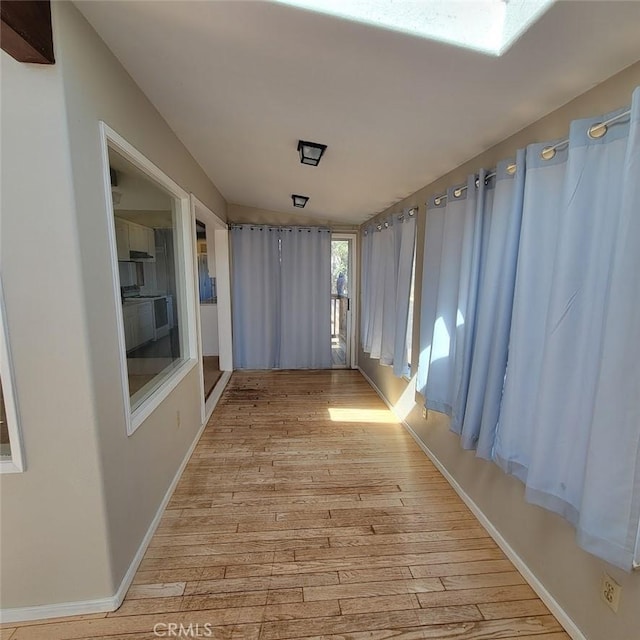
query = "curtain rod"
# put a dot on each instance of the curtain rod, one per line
(290, 227)
(380, 225)
(595, 131)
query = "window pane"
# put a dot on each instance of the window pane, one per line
(206, 279)
(146, 219)
(340, 267)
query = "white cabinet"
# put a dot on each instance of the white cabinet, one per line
(122, 238)
(138, 323)
(145, 322)
(130, 316)
(134, 237)
(151, 242)
(142, 239)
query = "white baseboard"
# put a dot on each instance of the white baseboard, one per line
(563, 618)
(45, 611)
(42, 612)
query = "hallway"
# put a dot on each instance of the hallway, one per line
(306, 510)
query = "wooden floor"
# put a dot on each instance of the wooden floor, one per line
(306, 511)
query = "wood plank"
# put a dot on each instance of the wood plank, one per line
(378, 603)
(374, 575)
(460, 568)
(301, 610)
(476, 596)
(514, 609)
(483, 580)
(261, 582)
(158, 590)
(372, 589)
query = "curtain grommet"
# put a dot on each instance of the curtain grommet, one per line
(597, 130)
(548, 153)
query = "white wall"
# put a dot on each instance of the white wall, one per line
(543, 540)
(72, 523)
(54, 545)
(209, 328)
(137, 469)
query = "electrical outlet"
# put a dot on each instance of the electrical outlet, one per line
(178, 419)
(425, 412)
(610, 591)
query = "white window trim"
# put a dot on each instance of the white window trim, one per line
(16, 464)
(110, 139)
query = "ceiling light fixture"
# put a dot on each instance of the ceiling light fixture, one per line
(299, 201)
(310, 152)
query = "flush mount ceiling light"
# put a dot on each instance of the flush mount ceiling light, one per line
(299, 201)
(487, 26)
(310, 152)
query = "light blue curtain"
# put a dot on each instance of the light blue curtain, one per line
(385, 306)
(255, 262)
(501, 235)
(305, 317)
(388, 297)
(542, 371)
(542, 210)
(444, 295)
(405, 242)
(365, 285)
(281, 297)
(433, 252)
(376, 292)
(575, 348)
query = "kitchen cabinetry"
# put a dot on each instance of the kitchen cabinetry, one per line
(142, 239)
(122, 239)
(138, 323)
(134, 237)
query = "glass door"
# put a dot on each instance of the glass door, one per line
(342, 299)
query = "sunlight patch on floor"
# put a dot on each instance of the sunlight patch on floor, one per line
(381, 416)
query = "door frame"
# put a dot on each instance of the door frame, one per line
(200, 211)
(352, 315)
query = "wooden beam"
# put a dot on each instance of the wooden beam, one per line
(26, 33)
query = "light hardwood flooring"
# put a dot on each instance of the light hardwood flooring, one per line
(306, 511)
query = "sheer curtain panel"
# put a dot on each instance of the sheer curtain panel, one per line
(365, 285)
(579, 451)
(281, 297)
(502, 216)
(256, 296)
(387, 263)
(405, 242)
(447, 248)
(529, 324)
(305, 317)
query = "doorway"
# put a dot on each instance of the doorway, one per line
(343, 282)
(208, 299)
(214, 304)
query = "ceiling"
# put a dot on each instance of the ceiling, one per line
(240, 82)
